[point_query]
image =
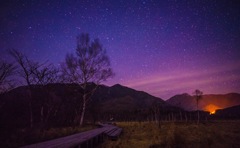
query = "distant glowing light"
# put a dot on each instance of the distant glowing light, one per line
(212, 112)
(211, 108)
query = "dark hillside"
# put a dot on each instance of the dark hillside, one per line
(58, 104)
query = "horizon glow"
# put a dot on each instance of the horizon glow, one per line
(160, 47)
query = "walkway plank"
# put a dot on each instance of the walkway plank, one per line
(87, 137)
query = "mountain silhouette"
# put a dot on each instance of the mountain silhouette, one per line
(63, 100)
(230, 112)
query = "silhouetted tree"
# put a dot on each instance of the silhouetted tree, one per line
(26, 71)
(6, 71)
(90, 64)
(198, 95)
(43, 76)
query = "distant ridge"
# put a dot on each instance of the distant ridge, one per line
(118, 97)
(209, 102)
(230, 112)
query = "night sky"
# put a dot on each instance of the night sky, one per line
(158, 46)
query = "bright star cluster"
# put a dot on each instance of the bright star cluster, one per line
(161, 47)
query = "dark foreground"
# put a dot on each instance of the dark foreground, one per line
(214, 134)
(88, 139)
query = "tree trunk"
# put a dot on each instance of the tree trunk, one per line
(42, 114)
(159, 124)
(83, 109)
(30, 109)
(180, 116)
(186, 117)
(156, 119)
(31, 114)
(197, 113)
(198, 117)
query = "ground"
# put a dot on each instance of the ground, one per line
(23, 137)
(214, 134)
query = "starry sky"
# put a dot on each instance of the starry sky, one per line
(163, 47)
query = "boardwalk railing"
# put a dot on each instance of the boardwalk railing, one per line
(86, 139)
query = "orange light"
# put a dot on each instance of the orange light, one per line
(211, 108)
(212, 112)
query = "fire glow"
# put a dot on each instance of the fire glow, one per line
(211, 108)
(212, 112)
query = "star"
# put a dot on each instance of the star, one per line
(153, 45)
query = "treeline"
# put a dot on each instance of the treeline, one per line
(56, 105)
(168, 114)
(53, 105)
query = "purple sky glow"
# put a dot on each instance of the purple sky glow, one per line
(161, 47)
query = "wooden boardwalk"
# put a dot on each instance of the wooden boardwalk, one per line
(113, 133)
(86, 139)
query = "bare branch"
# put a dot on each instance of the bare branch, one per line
(6, 71)
(45, 74)
(27, 67)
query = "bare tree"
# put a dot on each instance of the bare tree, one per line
(198, 95)
(156, 111)
(6, 71)
(43, 76)
(26, 71)
(91, 64)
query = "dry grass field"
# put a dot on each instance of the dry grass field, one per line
(214, 134)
